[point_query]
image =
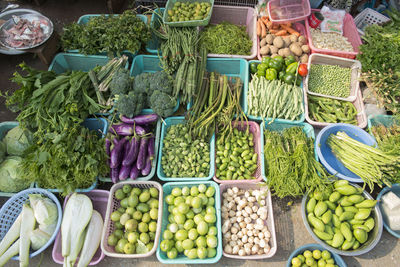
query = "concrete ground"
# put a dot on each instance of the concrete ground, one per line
(290, 230)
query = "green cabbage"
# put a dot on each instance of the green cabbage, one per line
(17, 140)
(45, 210)
(10, 178)
(39, 239)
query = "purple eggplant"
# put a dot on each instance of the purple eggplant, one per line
(114, 175)
(127, 129)
(115, 141)
(134, 172)
(131, 155)
(140, 119)
(108, 146)
(117, 153)
(150, 148)
(124, 173)
(147, 168)
(141, 159)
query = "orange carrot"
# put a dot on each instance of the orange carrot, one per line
(272, 31)
(269, 24)
(263, 29)
(281, 33)
(290, 30)
(259, 27)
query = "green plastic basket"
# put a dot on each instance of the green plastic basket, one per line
(278, 125)
(156, 20)
(153, 163)
(4, 128)
(190, 23)
(385, 120)
(256, 118)
(182, 259)
(148, 63)
(160, 173)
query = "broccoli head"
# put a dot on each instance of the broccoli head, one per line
(162, 104)
(161, 81)
(141, 83)
(131, 104)
(121, 82)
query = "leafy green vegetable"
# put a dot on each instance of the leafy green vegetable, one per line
(147, 83)
(10, 175)
(17, 140)
(162, 104)
(131, 104)
(226, 38)
(121, 82)
(111, 34)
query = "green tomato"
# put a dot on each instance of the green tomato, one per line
(198, 218)
(202, 228)
(202, 188)
(196, 202)
(190, 214)
(143, 207)
(179, 218)
(171, 218)
(210, 210)
(317, 254)
(137, 215)
(131, 225)
(211, 252)
(172, 254)
(152, 235)
(169, 199)
(143, 227)
(210, 218)
(166, 245)
(203, 198)
(307, 254)
(126, 188)
(326, 255)
(211, 201)
(146, 218)
(185, 191)
(153, 226)
(153, 192)
(183, 208)
(145, 238)
(173, 227)
(178, 246)
(212, 241)
(130, 210)
(178, 200)
(150, 246)
(133, 237)
(201, 242)
(167, 235)
(202, 253)
(296, 262)
(121, 244)
(310, 261)
(187, 244)
(194, 191)
(193, 234)
(212, 231)
(124, 203)
(119, 194)
(133, 200)
(115, 216)
(189, 224)
(154, 213)
(129, 248)
(188, 200)
(192, 254)
(112, 240)
(176, 191)
(181, 235)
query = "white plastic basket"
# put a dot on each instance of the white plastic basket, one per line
(367, 17)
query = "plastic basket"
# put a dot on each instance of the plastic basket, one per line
(85, 19)
(63, 62)
(270, 221)
(297, 26)
(154, 161)
(113, 205)
(4, 128)
(354, 65)
(367, 17)
(147, 63)
(156, 20)
(254, 128)
(395, 189)
(160, 173)
(99, 200)
(315, 3)
(358, 104)
(238, 15)
(375, 120)
(96, 124)
(181, 259)
(338, 260)
(190, 23)
(283, 11)
(258, 118)
(279, 126)
(13, 207)
(349, 31)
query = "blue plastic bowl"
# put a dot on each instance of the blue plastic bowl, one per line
(328, 159)
(338, 260)
(395, 189)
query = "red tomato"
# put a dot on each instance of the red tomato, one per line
(303, 70)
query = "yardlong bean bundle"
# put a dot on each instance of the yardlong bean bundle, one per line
(388, 138)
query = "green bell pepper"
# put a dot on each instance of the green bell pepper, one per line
(262, 66)
(281, 75)
(260, 73)
(292, 68)
(253, 67)
(279, 59)
(271, 74)
(299, 80)
(275, 64)
(289, 78)
(289, 60)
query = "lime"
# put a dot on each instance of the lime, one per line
(124, 203)
(133, 237)
(137, 215)
(146, 218)
(310, 261)
(143, 227)
(112, 240)
(150, 246)
(152, 235)
(296, 262)
(137, 191)
(321, 263)
(153, 192)
(144, 196)
(118, 225)
(307, 254)
(126, 188)
(129, 248)
(119, 194)
(118, 233)
(133, 200)
(130, 210)
(141, 247)
(317, 254)
(115, 216)
(121, 244)
(187, 244)
(153, 213)
(326, 255)
(131, 225)
(144, 237)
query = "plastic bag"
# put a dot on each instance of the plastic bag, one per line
(333, 20)
(261, 7)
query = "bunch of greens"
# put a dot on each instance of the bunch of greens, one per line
(388, 138)
(111, 34)
(226, 38)
(290, 165)
(380, 61)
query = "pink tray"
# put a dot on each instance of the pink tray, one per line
(358, 103)
(269, 221)
(298, 27)
(284, 11)
(349, 30)
(255, 130)
(99, 199)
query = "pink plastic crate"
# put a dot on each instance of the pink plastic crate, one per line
(297, 26)
(358, 103)
(99, 199)
(349, 30)
(283, 11)
(270, 220)
(254, 128)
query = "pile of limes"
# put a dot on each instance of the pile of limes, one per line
(185, 11)
(314, 258)
(192, 223)
(135, 220)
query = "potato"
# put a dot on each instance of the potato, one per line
(281, 52)
(263, 42)
(269, 38)
(287, 41)
(278, 42)
(293, 38)
(286, 52)
(304, 58)
(302, 40)
(274, 55)
(305, 48)
(264, 50)
(273, 49)
(296, 49)
(297, 58)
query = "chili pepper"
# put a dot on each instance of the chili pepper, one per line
(271, 74)
(289, 60)
(275, 64)
(292, 68)
(289, 78)
(253, 67)
(266, 60)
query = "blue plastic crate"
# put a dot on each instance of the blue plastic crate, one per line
(256, 118)
(156, 20)
(96, 124)
(385, 120)
(63, 62)
(338, 260)
(278, 126)
(160, 173)
(182, 259)
(4, 128)
(147, 63)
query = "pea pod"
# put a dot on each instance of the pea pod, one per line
(362, 214)
(368, 203)
(347, 190)
(311, 205)
(345, 229)
(348, 244)
(361, 235)
(327, 217)
(347, 215)
(322, 235)
(337, 240)
(370, 223)
(355, 199)
(335, 196)
(320, 208)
